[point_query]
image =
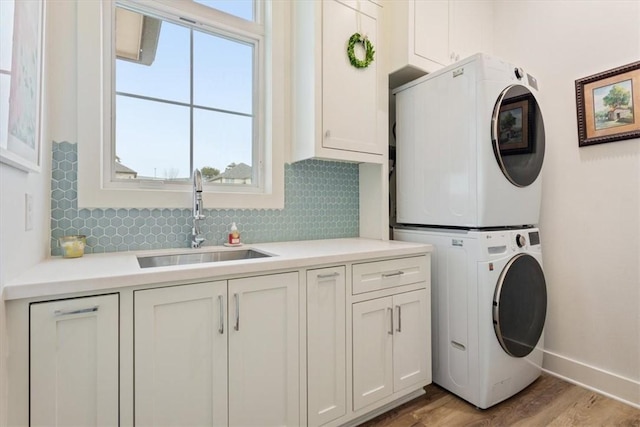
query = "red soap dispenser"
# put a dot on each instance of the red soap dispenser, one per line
(234, 235)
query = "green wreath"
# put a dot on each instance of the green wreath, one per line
(368, 47)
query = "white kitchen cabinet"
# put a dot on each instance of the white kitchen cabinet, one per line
(419, 38)
(181, 355)
(411, 339)
(336, 107)
(73, 356)
(250, 349)
(326, 343)
(391, 345)
(372, 351)
(264, 384)
(428, 35)
(470, 28)
(373, 276)
(194, 357)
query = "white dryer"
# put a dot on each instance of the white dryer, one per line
(489, 302)
(470, 146)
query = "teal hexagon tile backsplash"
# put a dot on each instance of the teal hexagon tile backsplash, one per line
(321, 202)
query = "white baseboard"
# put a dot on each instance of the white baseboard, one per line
(609, 384)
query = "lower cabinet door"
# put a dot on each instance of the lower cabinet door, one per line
(326, 345)
(73, 357)
(411, 339)
(391, 346)
(372, 351)
(181, 355)
(263, 351)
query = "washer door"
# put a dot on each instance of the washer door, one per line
(517, 135)
(520, 305)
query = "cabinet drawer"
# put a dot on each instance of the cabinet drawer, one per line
(372, 276)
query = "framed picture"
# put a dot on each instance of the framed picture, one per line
(515, 125)
(608, 105)
(21, 83)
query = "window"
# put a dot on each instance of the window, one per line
(184, 98)
(186, 84)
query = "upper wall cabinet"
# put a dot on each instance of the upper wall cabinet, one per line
(428, 35)
(337, 110)
(470, 28)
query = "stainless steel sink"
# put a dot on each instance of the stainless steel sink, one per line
(199, 257)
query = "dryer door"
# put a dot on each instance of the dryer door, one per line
(517, 135)
(520, 305)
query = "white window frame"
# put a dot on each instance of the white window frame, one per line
(95, 95)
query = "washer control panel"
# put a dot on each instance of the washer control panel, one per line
(525, 240)
(519, 73)
(508, 241)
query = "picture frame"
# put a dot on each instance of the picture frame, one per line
(516, 124)
(608, 105)
(21, 74)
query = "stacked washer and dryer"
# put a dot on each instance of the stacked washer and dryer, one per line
(469, 152)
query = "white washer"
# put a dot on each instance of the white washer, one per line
(470, 146)
(489, 303)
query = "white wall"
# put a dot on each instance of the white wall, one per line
(590, 219)
(21, 249)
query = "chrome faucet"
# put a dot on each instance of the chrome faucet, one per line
(196, 238)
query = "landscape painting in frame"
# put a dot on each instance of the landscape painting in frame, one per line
(608, 105)
(21, 33)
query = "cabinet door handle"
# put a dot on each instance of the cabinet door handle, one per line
(391, 319)
(328, 276)
(221, 304)
(79, 311)
(327, 134)
(397, 273)
(399, 308)
(237, 325)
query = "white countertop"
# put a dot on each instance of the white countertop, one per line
(98, 272)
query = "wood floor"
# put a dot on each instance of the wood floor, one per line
(549, 401)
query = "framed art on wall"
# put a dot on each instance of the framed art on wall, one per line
(608, 105)
(21, 76)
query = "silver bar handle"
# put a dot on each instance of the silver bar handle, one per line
(79, 311)
(458, 345)
(399, 308)
(237, 325)
(397, 273)
(328, 276)
(391, 319)
(221, 322)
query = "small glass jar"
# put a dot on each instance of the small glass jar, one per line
(72, 246)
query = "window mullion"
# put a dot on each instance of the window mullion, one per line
(191, 102)
(183, 104)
